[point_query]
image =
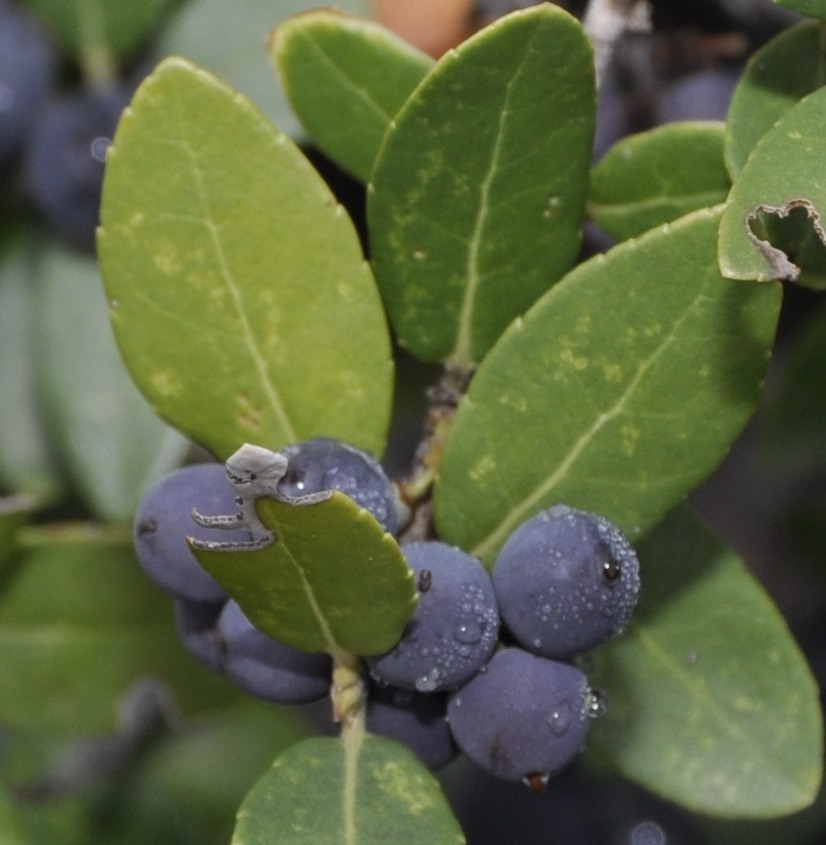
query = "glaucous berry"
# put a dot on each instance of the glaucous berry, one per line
(523, 718)
(454, 628)
(324, 463)
(416, 719)
(164, 520)
(268, 669)
(566, 580)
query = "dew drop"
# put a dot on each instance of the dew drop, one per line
(419, 254)
(468, 633)
(596, 704)
(537, 643)
(559, 719)
(611, 569)
(428, 682)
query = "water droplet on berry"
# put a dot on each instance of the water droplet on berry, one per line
(428, 682)
(559, 719)
(468, 633)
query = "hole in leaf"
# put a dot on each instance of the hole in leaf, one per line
(792, 239)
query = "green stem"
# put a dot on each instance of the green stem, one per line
(349, 697)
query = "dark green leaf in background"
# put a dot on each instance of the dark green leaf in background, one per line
(112, 443)
(794, 421)
(116, 26)
(79, 624)
(190, 783)
(814, 8)
(711, 703)
(478, 193)
(779, 74)
(345, 78)
(332, 581)
(240, 298)
(621, 390)
(374, 793)
(26, 459)
(11, 827)
(772, 226)
(656, 176)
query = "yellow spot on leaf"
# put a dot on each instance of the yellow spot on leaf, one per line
(248, 415)
(167, 260)
(576, 362)
(165, 383)
(629, 435)
(404, 787)
(484, 466)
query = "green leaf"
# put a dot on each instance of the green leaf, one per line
(783, 182)
(239, 56)
(79, 624)
(184, 783)
(118, 26)
(479, 189)
(711, 703)
(11, 827)
(345, 79)
(239, 295)
(779, 74)
(793, 433)
(375, 791)
(332, 581)
(814, 8)
(26, 461)
(113, 444)
(621, 390)
(657, 176)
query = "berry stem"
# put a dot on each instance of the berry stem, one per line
(348, 692)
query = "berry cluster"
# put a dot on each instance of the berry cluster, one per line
(53, 135)
(486, 663)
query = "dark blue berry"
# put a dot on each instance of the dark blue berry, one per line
(454, 629)
(164, 520)
(566, 581)
(268, 669)
(328, 464)
(523, 718)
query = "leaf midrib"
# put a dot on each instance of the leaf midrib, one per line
(622, 209)
(523, 509)
(247, 334)
(462, 353)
